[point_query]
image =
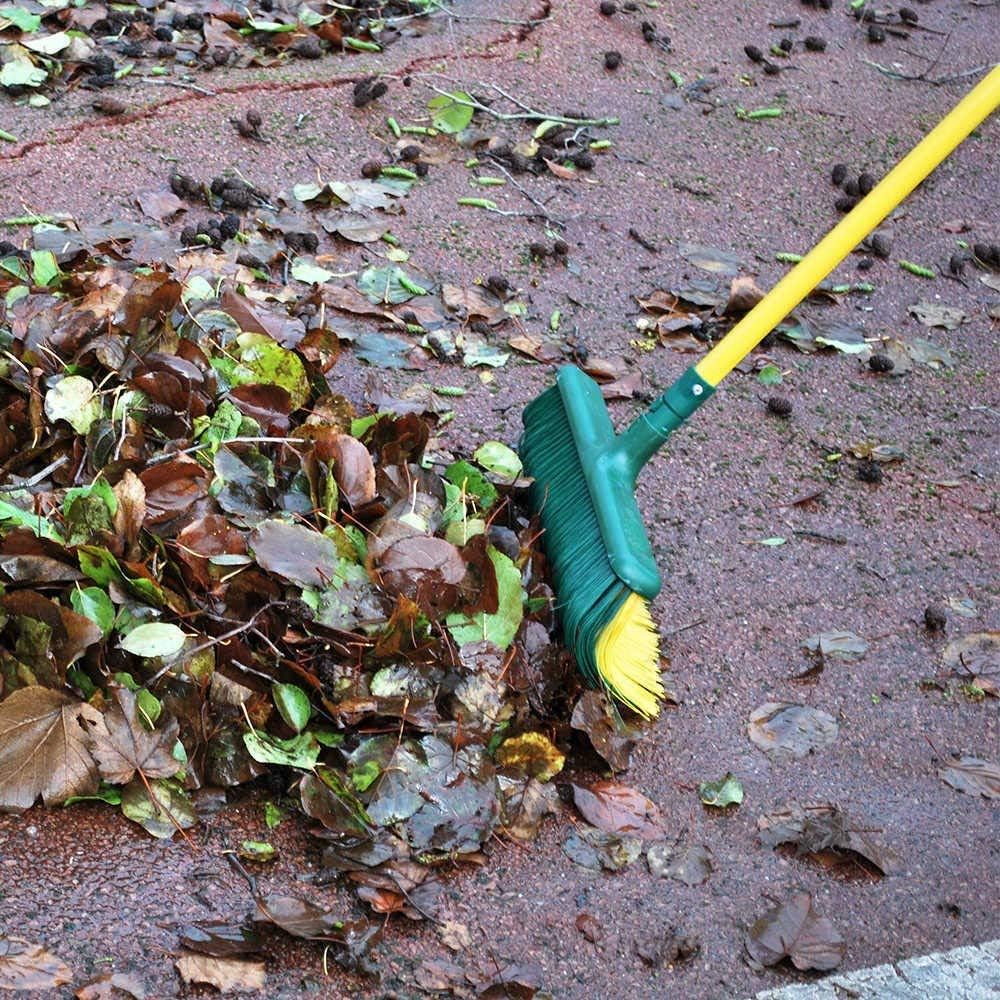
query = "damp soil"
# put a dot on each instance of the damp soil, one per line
(863, 556)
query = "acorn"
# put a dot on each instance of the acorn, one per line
(869, 471)
(162, 33)
(881, 245)
(845, 203)
(865, 182)
(935, 617)
(538, 251)
(770, 69)
(583, 160)
(754, 54)
(838, 174)
(814, 43)
(371, 169)
(612, 59)
(780, 406)
(560, 248)
(908, 15)
(851, 188)
(881, 364)
(421, 169)
(194, 21)
(608, 8)
(786, 44)
(410, 153)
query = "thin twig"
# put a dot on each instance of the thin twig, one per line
(36, 478)
(527, 194)
(164, 81)
(528, 114)
(922, 77)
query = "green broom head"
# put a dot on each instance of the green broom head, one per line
(583, 491)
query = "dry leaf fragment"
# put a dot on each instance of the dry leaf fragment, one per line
(228, 975)
(25, 966)
(617, 808)
(43, 748)
(973, 776)
(793, 930)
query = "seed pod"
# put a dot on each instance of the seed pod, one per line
(538, 251)
(865, 182)
(881, 363)
(583, 160)
(876, 34)
(908, 15)
(814, 43)
(869, 471)
(852, 189)
(371, 169)
(786, 45)
(254, 118)
(607, 8)
(935, 618)
(753, 53)
(770, 69)
(881, 244)
(838, 174)
(498, 285)
(560, 248)
(845, 203)
(780, 406)
(612, 59)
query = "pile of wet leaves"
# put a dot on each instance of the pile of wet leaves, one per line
(216, 568)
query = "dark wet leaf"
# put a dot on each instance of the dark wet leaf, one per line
(785, 731)
(383, 351)
(524, 805)
(294, 552)
(388, 285)
(598, 849)
(975, 656)
(727, 791)
(937, 314)
(616, 808)
(710, 258)
(25, 966)
(608, 735)
(172, 489)
(841, 644)
(793, 930)
(515, 981)
(327, 797)
(43, 748)
(121, 744)
(815, 828)
(228, 975)
(296, 916)
(423, 568)
(972, 775)
(682, 860)
(219, 938)
(300, 751)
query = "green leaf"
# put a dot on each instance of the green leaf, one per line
(388, 285)
(470, 479)
(168, 809)
(769, 375)
(726, 791)
(499, 628)
(154, 639)
(21, 73)
(264, 360)
(98, 488)
(774, 541)
(292, 704)
(75, 400)
(310, 273)
(300, 751)
(501, 460)
(273, 815)
(271, 27)
(366, 775)
(452, 112)
(257, 850)
(94, 603)
(21, 18)
(150, 706)
(44, 267)
(29, 519)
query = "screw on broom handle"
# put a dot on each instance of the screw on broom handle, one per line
(647, 432)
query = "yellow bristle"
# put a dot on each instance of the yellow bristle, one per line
(628, 658)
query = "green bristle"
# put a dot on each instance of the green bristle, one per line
(590, 593)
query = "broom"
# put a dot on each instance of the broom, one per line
(603, 570)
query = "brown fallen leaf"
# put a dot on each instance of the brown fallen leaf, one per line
(793, 930)
(43, 748)
(227, 975)
(112, 986)
(617, 808)
(122, 745)
(973, 776)
(25, 966)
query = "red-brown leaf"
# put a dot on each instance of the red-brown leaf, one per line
(619, 809)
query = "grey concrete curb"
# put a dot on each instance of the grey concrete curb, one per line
(969, 973)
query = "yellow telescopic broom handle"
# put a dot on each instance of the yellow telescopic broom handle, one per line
(974, 108)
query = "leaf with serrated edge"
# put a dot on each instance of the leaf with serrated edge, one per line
(43, 748)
